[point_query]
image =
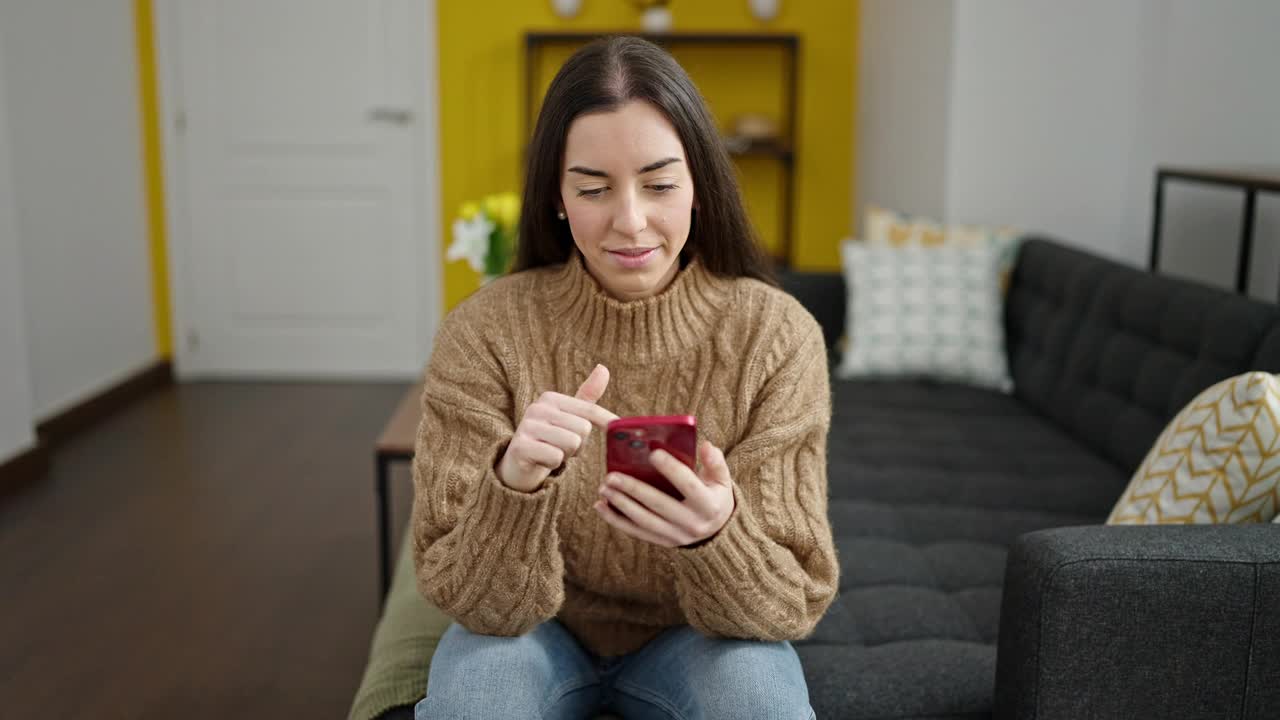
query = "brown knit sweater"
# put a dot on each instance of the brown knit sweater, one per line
(744, 358)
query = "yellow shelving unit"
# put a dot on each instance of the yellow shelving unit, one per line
(737, 73)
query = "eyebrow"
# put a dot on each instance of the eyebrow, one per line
(602, 174)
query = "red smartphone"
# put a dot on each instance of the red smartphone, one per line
(631, 439)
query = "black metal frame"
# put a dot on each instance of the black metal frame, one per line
(785, 153)
(382, 477)
(1249, 182)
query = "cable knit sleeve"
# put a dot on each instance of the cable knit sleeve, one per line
(771, 571)
(486, 555)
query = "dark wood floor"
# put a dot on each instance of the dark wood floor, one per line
(207, 553)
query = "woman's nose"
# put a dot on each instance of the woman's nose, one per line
(629, 218)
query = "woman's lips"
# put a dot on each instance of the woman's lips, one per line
(633, 257)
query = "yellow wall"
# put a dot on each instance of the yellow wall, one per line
(153, 176)
(482, 99)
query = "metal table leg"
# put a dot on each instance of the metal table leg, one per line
(383, 463)
(1246, 242)
(1157, 206)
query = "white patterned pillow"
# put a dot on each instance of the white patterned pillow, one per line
(1217, 461)
(932, 312)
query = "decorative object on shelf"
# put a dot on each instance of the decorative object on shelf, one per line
(655, 17)
(484, 234)
(764, 9)
(566, 8)
(751, 129)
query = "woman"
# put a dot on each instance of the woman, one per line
(639, 290)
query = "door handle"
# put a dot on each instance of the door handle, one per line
(394, 116)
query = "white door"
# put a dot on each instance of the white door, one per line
(305, 165)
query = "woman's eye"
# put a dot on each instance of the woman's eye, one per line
(596, 192)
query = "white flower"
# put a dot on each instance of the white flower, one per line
(471, 241)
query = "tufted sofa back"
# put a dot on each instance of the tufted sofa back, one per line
(1111, 353)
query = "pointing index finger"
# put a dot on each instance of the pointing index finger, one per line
(595, 384)
(589, 410)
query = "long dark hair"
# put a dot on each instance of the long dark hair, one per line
(601, 77)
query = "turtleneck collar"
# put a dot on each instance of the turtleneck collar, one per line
(637, 330)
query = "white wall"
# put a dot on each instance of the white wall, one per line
(15, 379)
(903, 106)
(1059, 113)
(1214, 100)
(1043, 116)
(71, 75)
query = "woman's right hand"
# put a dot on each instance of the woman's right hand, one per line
(554, 427)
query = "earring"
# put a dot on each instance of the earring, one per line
(561, 215)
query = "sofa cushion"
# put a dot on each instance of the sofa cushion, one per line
(1112, 353)
(929, 484)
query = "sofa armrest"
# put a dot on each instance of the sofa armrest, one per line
(1125, 622)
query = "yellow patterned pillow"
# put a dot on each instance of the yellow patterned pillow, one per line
(886, 227)
(1218, 461)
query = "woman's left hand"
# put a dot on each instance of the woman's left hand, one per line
(649, 514)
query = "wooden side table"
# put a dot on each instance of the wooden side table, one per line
(1251, 181)
(395, 443)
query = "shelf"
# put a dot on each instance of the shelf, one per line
(779, 149)
(671, 38)
(767, 148)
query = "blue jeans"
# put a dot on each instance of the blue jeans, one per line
(547, 674)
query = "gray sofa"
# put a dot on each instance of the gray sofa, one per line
(976, 579)
(957, 599)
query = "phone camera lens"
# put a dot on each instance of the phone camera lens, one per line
(637, 444)
(620, 436)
